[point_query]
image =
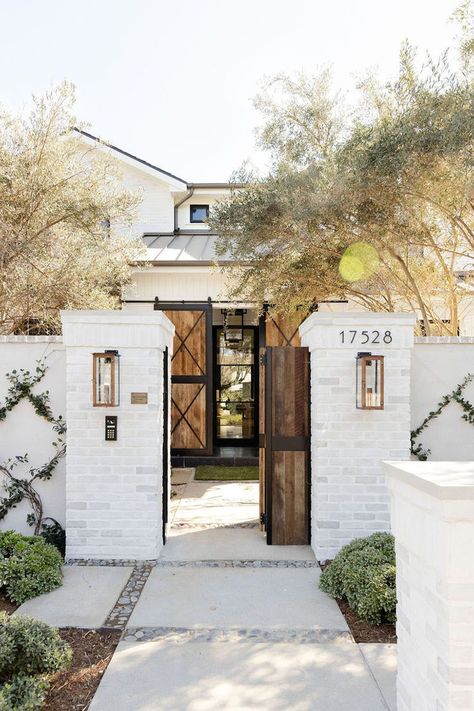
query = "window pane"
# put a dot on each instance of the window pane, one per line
(199, 213)
(238, 353)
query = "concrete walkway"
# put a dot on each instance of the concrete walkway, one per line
(226, 622)
(222, 621)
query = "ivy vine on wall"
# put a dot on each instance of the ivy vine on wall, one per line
(22, 487)
(455, 396)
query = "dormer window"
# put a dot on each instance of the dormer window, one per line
(198, 213)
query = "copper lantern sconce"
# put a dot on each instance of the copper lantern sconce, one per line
(369, 381)
(106, 379)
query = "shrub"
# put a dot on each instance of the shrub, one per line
(29, 647)
(28, 566)
(23, 693)
(363, 572)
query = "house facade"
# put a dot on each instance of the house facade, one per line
(215, 370)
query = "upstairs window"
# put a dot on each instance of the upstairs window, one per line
(199, 213)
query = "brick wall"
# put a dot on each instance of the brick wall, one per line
(114, 489)
(433, 523)
(349, 497)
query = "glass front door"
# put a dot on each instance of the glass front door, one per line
(236, 388)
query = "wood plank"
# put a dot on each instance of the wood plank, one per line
(283, 330)
(189, 344)
(188, 415)
(289, 402)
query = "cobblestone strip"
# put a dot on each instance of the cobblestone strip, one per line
(182, 635)
(123, 608)
(237, 564)
(110, 562)
(207, 526)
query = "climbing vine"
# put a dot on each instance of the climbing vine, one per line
(16, 487)
(456, 396)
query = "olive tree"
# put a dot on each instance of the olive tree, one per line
(372, 203)
(62, 218)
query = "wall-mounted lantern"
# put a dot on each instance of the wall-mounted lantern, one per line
(233, 325)
(369, 382)
(106, 379)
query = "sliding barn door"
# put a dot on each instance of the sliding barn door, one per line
(191, 378)
(282, 330)
(286, 440)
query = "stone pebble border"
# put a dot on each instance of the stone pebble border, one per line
(182, 635)
(125, 563)
(123, 608)
(209, 526)
(237, 564)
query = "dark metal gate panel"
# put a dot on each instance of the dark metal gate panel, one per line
(166, 461)
(287, 450)
(191, 377)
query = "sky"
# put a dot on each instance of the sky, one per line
(172, 82)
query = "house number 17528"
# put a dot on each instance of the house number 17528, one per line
(364, 337)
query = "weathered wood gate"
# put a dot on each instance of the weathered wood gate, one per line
(191, 377)
(284, 445)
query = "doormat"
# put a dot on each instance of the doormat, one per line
(213, 472)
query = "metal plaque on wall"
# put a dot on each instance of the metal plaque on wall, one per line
(139, 398)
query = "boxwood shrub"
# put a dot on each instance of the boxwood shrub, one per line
(29, 650)
(363, 572)
(28, 566)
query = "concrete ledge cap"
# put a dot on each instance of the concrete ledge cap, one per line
(350, 318)
(444, 480)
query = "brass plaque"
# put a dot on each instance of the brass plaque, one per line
(139, 398)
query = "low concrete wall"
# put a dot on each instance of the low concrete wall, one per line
(23, 431)
(438, 366)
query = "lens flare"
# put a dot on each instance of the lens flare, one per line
(359, 261)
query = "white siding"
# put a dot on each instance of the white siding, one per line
(156, 211)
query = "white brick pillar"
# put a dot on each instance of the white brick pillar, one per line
(433, 522)
(114, 488)
(349, 497)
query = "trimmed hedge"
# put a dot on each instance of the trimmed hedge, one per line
(363, 572)
(24, 693)
(29, 650)
(28, 566)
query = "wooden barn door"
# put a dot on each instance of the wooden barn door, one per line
(287, 454)
(282, 330)
(191, 378)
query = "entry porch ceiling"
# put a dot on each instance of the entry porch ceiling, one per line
(183, 249)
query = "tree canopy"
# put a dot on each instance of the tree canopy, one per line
(62, 218)
(372, 203)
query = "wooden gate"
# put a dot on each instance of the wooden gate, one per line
(191, 377)
(284, 441)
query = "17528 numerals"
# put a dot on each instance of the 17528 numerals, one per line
(364, 337)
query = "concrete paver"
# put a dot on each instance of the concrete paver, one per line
(238, 676)
(382, 661)
(225, 503)
(85, 599)
(228, 544)
(229, 598)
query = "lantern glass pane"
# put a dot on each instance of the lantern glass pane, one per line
(372, 380)
(104, 365)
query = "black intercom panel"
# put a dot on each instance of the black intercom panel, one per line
(111, 428)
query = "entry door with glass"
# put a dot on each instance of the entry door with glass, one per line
(236, 388)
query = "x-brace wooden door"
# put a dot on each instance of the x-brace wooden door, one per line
(191, 378)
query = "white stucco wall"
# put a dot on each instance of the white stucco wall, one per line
(23, 431)
(438, 366)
